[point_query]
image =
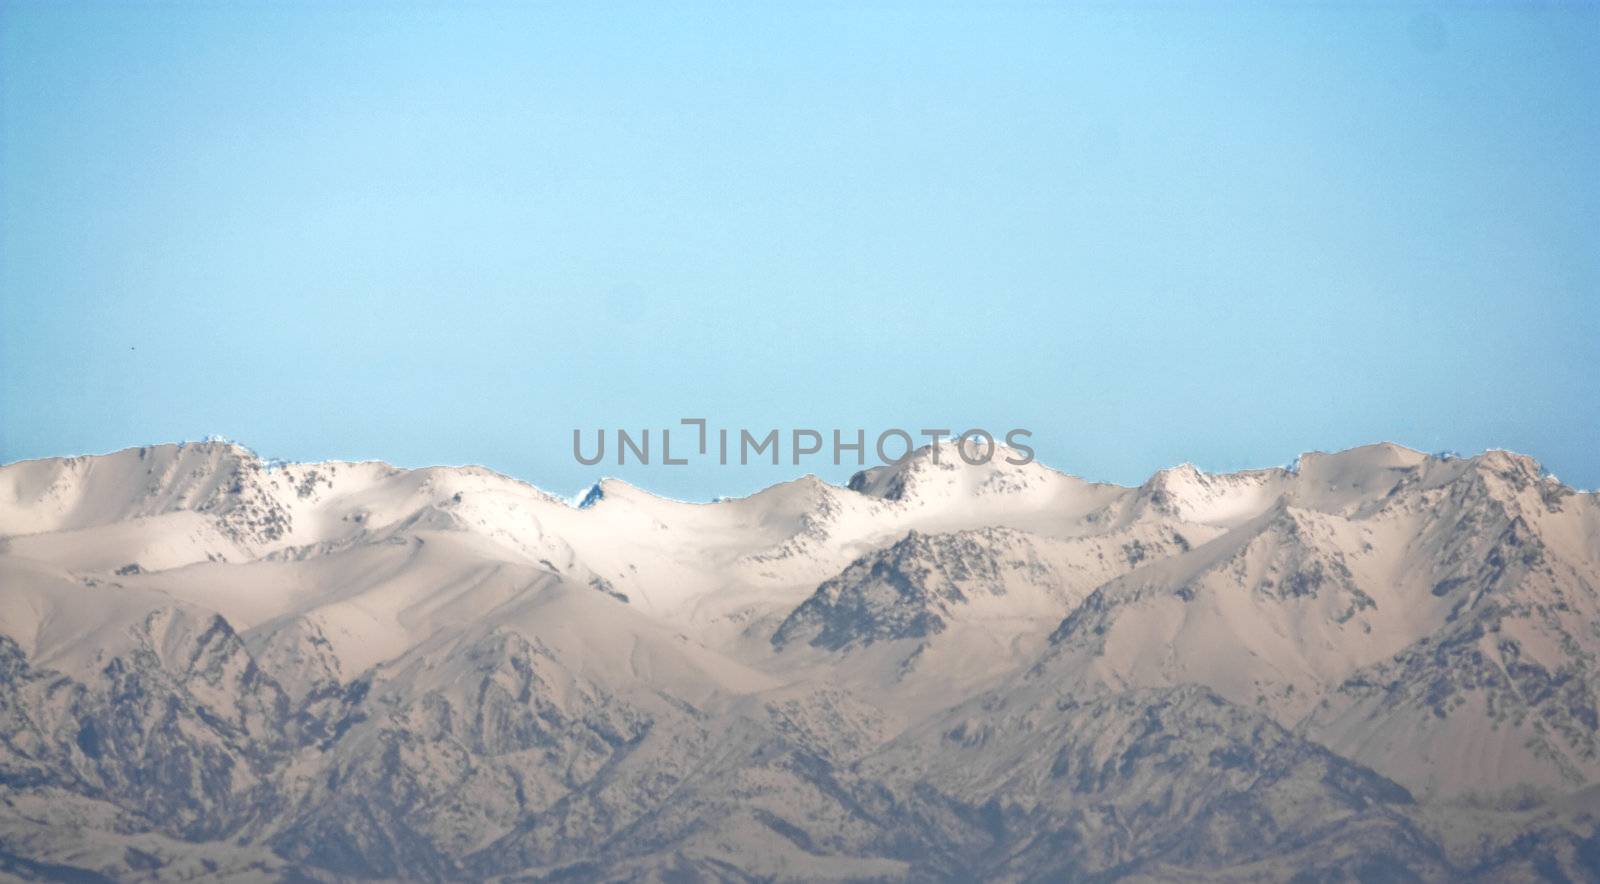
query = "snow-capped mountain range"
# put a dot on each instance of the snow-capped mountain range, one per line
(1376, 665)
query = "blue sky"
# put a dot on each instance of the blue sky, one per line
(1150, 234)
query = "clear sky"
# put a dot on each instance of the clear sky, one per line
(1150, 234)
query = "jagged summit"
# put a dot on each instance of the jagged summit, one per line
(595, 494)
(1375, 661)
(145, 472)
(946, 468)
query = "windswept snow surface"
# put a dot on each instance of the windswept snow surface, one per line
(1373, 664)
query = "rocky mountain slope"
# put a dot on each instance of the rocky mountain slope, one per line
(1373, 665)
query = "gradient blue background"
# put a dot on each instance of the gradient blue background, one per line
(1150, 235)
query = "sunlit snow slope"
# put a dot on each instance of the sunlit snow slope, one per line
(1374, 663)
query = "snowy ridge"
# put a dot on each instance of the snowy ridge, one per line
(1374, 662)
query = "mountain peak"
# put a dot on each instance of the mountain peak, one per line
(1188, 493)
(594, 495)
(954, 469)
(342, 669)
